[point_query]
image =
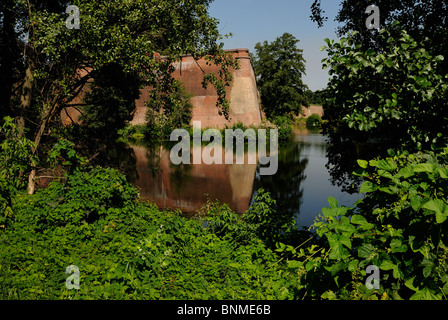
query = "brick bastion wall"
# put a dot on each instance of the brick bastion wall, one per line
(243, 92)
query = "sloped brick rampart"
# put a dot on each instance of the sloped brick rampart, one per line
(243, 93)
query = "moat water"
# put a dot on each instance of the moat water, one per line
(301, 185)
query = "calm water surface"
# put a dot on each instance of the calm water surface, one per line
(301, 186)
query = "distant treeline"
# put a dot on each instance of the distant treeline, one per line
(317, 97)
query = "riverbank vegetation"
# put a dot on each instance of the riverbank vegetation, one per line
(158, 134)
(391, 92)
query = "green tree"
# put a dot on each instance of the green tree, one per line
(168, 110)
(279, 66)
(57, 62)
(397, 96)
(317, 97)
(110, 103)
(421, 19)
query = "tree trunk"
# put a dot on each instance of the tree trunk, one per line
(43, 124)
(26, 94)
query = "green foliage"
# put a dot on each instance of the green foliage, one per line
(284, 128)
(400, 226)
(117, 48)
(86, 197)
(133, 132)
(423, 19)
(430, 14)
(110, 103)
(365, 97)
(317, 97)
(128, 249)
(167, 111)
(279, 67)
(270, 225)
(314, 120)
(63, 154)
(16, 154)
(6, 213)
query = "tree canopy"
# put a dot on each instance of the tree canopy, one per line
(279, 67)
(421, 20)
(46, 65)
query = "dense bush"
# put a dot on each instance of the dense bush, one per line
(314, 120)
(15, 163)
(284, 128)
(128, 249)
(401, 227)
(97, 195)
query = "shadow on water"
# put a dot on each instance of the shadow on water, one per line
(301, 185)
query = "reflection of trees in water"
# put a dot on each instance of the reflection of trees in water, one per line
(117, 155)
(154, 159)
(342, 155)
(180, 176)
(284, 186)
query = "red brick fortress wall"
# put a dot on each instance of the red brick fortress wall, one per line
(243, 92)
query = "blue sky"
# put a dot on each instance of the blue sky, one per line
(252, 21)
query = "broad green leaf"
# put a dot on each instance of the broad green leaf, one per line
(443, 172)
(428, 267)
(362, 222)
(439, 207)
(406, 172)
(405, 46)
(342, 211)
(294, 264)
(329, 212)
(344, 226)
(337, 243)
(389, 265)
(329, 295)
(425, 294)
(363, 163)
(397, 246)
(357, 219)
(425, 167)
(353, 265)
(367, 251)
(386, 165)
(410, 284)
(333, 202)
(367, 187)
(416, 202)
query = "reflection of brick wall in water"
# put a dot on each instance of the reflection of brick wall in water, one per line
(185, 189)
